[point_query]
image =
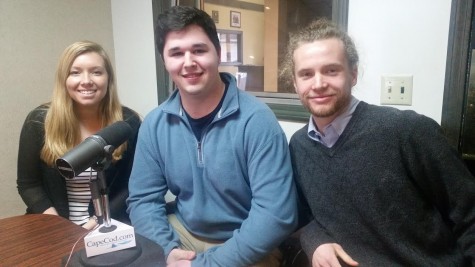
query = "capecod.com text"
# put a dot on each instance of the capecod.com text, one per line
(108, 240)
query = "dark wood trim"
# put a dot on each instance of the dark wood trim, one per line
(456, 70)
(293, 113)
(163, 80)
(237, 4)
(340, 13)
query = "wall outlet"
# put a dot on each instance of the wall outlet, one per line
(396, 90)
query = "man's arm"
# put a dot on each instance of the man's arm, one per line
(442, 175)
(147, 189)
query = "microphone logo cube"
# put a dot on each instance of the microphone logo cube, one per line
(98, 243)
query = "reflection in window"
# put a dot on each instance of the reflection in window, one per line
(264, 30)
(231, 47)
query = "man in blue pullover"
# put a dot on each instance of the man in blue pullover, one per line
(219, 150)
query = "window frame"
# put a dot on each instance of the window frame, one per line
(239, 49)
(286, 106)
(456, 71)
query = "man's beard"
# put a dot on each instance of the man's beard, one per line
(325, 111)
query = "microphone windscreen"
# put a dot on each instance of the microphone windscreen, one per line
(116, 133)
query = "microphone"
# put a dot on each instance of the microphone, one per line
(93, 149)
(96, 152)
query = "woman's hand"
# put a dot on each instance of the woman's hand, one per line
(51, 211)
(90, 224)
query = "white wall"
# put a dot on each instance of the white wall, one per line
(33, 34)
(393, 37)
(135, 54)
(402, 37)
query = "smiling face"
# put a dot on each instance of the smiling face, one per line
(192, 62)
(323, 78)
(87, 81)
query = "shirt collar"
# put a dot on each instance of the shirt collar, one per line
(335, 128)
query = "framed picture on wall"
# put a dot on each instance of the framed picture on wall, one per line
(235, 18)
(215, 16)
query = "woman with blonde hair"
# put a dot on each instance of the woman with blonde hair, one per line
(84, 101)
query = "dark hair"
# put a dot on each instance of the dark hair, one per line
(320, 29)
(179, 17)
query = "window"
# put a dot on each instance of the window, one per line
(231, 47)
(253, 36)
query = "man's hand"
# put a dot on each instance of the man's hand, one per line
(180, 258)
(327, 255)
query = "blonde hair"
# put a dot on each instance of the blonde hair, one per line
(320, 29)
(61, 124)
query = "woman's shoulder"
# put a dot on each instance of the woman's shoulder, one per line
(38, 113)
(131, 116)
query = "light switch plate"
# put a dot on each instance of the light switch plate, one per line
(396, 90)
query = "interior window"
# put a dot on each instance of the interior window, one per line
(253, 36)
(264, 27)
(231, 47)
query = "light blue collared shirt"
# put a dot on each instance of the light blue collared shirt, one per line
(335, 128)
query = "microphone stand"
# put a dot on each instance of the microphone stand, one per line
(99, 192)
(100, 199)
(143, 252)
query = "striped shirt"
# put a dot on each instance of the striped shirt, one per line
(79, 196)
